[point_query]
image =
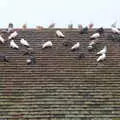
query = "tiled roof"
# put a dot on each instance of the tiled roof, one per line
(60, 86)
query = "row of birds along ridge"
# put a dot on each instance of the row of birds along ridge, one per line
(94, 39)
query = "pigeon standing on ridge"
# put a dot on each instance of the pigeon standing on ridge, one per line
(51, 25)
(10, 27)
(59, 34)
(80, 27)
(100, 30)
(24, 42)
(91, 25)
(75, 46)
(47, 44)
(13, 35)
(84, 30)
(13, 44)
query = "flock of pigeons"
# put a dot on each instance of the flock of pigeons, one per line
(31, 60)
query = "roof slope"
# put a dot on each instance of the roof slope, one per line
(59, 86)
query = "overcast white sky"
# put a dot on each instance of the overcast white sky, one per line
(62, 12)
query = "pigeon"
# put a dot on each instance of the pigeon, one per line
(93, 42)
(24, 42)
(84, 30)
(51, 25)
(90, 48)
(28, 61)
(24, 26)
(10, 28)
(29, 51)
(70, 26)
(75, 46)
(114, 24)
(3, 58)
(100, 30)
(103, 51)
(81, 55)
(47, 44)
(101, 58)
(59, 34)
(13, 35)
(91, 25)
(115, 30)
(31, 60)
(114, 37)
(95, 35)
(67, 43)
(80, 27)
(2, 40)
(13, 44)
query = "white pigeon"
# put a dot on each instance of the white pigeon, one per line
(28, 61)
(101, 58)
(13, 35)
(13, 44)
(90, 46)
(93, 42)
(115, 30)
(59, 34)
(47, 44)
(75, 46)
(2, 40)
(24, 42)
(95, 35)
(103, 51)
